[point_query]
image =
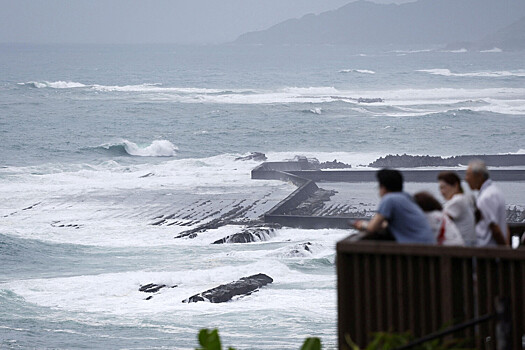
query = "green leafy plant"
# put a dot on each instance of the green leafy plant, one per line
(390, 340)
(210, 340)
(312, 344)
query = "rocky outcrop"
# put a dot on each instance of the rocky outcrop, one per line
(251, 234)
(515, 215)
(257, 156)
(153, 288)
(334, 165)
(225, 292)
(301, 250)
(236, 213)
(369, 100)
(409, 161)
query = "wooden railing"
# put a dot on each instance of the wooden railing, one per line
(386, 286)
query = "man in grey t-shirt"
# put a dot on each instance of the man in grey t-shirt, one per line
(398, 212)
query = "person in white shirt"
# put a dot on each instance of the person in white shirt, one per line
(459, 206)
(492, 228)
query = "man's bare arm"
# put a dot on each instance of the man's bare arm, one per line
(374, 225)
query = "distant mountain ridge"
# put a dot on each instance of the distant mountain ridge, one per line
(508, 38)
(424, 22)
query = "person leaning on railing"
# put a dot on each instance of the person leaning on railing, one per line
(397, 214)
(491, 228)
(459, 206)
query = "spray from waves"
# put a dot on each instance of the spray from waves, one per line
(158, 148)
(495, 50)
(462, 50)
(362, 71)
(54, 85)
(318, 111)
(496, 74)
(145, 87)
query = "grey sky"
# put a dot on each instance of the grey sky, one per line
(147, 21)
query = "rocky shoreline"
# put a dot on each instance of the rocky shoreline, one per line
(410, 161)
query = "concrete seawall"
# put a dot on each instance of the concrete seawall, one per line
(305, 175)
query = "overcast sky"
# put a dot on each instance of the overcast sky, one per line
(147, 21)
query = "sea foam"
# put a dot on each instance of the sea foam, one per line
(484, 74)
(158, 148)
(362, 71)
(54, 84)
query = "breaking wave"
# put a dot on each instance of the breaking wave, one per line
(484, 74)
(384, 102)
(318, 111)
(53, 85)
(495, 49)
(362, 71)
(158, 148)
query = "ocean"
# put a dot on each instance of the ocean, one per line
(100, 141)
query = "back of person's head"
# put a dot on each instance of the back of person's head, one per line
(390, 179)
(427, 202)
(479, 168)
(451, 178)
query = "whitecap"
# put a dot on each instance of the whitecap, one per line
(481, 74)
(54, 84)
(462, 50)
(362, 71)
(495, 49)
(158, 148)
(315, 110)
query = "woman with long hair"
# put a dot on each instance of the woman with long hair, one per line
(458, 206)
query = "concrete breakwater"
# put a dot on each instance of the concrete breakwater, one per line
(301, 208)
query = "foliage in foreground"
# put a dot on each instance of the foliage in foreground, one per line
(210, 340)
(389, 341)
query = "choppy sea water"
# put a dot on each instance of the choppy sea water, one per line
(98, 142)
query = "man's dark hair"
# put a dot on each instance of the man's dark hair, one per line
(390, 179)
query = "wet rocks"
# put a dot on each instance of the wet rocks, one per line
(58, 224)
(301, 250)
(334, 165)
(251, 234)
(225, 292)
(515, 215)
(153, 288)
(257, 156)
(410, 161)
(369, 100)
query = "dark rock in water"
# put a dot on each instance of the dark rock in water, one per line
(515, 215)
(153, 288)
(225, 292)
(301, 250)
(369, 100)
(409, 161)
(334, 165)
(257, 156)
(251, 234)
(58, 224)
